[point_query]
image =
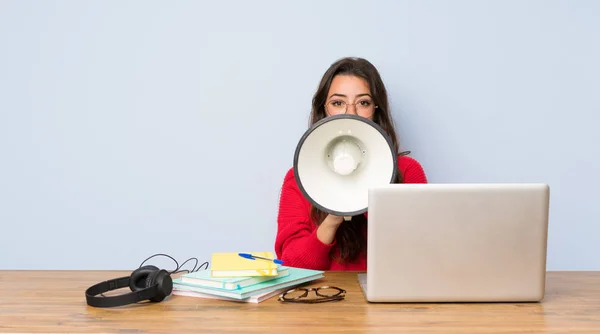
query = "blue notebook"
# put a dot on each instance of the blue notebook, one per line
(295, 277)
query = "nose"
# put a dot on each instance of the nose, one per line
(351, 109)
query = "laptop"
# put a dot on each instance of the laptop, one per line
(456, 243)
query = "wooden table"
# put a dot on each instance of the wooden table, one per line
(54, 302)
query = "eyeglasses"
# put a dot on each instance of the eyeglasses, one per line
(363, 107)
(324, 294)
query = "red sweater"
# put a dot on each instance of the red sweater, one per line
(296, 241)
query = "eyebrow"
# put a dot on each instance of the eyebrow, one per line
(342, 95)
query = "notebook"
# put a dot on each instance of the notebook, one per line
(252, 299)
(295, 277)
(204, 278)
(233, 265)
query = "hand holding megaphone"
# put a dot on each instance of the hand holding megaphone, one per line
(328, 228)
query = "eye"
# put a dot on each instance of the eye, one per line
(365, 103)
(337, 103)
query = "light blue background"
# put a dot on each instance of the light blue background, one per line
(134, 127)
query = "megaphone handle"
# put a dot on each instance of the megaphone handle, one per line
(347, 218)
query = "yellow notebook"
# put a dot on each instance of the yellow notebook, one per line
(233, 265)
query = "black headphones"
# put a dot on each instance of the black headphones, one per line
(146, 283)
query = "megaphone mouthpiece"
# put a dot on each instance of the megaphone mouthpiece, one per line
(345, 156)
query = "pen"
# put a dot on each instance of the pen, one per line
(254, 257)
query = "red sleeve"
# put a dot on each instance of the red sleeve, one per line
(412, 170)
(296, 242)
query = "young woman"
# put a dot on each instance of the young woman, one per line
(306, 237)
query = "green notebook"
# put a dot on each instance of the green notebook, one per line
(295, 277)
(205, 279)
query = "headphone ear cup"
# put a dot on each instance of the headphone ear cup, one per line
(165, 284)
(139, 277)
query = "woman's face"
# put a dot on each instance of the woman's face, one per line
(351, 95)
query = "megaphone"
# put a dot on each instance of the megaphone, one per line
(339, 158)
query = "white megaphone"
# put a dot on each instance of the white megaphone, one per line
(339, 158)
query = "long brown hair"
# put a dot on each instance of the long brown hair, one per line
(350, 235)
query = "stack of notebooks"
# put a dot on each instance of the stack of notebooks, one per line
(235, 278)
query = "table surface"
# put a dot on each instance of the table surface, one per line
(54, 301)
